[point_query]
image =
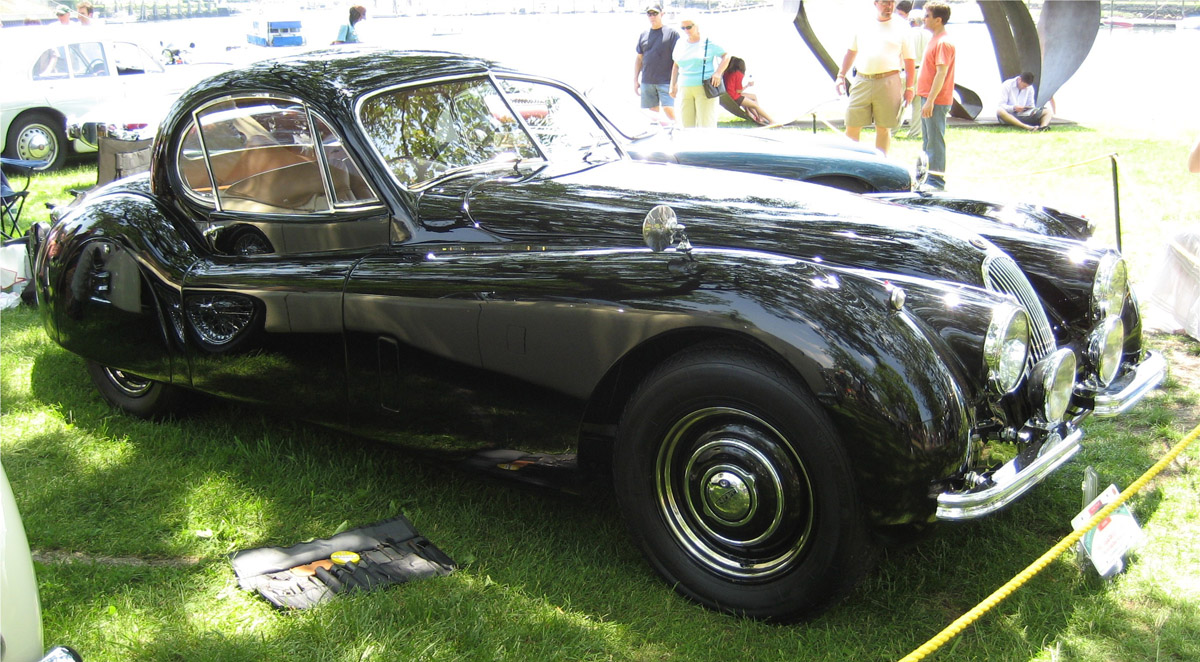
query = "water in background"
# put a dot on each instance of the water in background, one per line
(1136, 78)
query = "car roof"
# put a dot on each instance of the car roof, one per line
(348, 71)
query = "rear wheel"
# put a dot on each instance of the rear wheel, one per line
(38, 136)
(736, 487)
(133, 394)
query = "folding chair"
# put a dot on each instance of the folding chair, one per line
(14, 200)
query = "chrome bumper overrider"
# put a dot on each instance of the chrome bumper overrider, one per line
(1007, 483)
(1128, 389)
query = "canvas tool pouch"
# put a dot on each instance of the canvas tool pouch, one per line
(306, 574)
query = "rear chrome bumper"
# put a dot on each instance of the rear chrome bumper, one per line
(1007, 483)
(1131, 387)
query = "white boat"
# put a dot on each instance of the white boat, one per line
(274, 30)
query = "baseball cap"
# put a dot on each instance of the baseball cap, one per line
(654, 6)
(61, 10)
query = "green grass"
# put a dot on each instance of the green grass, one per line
(134, 520)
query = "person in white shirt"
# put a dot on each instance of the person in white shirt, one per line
(1018, 100)
(881, 48)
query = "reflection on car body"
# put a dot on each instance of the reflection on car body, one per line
(441, 252)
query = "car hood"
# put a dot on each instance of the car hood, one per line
(605, 204)
(791, 155)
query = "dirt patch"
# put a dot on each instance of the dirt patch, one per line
(1183, 357)
(59, 557)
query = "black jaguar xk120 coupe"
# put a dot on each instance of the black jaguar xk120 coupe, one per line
(442, 252)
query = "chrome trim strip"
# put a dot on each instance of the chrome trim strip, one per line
(958, 506)
(1147, 376)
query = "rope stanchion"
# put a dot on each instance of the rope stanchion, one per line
(1037, 566)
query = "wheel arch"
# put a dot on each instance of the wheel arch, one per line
(46, 110)
(618, 385)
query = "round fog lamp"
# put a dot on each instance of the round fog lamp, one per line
(1105, 347)
(1053, 384)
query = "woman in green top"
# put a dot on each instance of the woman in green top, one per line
(695, 60)
(347, 34)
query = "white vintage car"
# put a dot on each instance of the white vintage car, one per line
(53, 73)
(20, 610)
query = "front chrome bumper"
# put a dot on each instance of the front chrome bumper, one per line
(1009, 482)
(1128, 389)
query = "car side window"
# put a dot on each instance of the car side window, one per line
(87, 60)
(424, 132)
(51, 65)
(261, 155)
(350, 188)
(132, 59)
(558, 120)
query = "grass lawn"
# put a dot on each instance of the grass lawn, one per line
(132, 521)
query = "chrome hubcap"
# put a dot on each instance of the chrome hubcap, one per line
(734, 494)
(728, 495)
(132, 385)
(37, 143)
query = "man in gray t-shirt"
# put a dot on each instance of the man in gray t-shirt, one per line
(652, 68)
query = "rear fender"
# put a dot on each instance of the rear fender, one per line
(112, 269)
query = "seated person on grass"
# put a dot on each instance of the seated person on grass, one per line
(736, 82)
(1017, 99)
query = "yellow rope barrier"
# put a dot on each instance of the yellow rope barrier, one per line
(1037, 566)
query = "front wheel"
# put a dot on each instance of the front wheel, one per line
(141, 397)
(736, 487)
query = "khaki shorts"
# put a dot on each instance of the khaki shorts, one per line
(876, 101)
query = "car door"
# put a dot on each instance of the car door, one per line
(471, 336)
(287, 213)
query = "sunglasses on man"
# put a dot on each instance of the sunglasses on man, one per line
(652, 13)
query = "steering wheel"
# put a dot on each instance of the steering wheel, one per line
(97, 66)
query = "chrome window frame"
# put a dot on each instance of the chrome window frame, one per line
(215, 205)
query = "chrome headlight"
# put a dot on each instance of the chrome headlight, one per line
(1006, 348)
(1052, 383)
(1110, 286)
(1106, 344)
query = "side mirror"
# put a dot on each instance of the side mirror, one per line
(661, 230)
(920, 170)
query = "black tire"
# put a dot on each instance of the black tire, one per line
(737, 489)
(38, 136)
(138, 396)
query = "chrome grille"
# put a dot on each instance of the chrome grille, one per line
(1001, 274)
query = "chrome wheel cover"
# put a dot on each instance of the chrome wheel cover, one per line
(129, 384)
(734, 494)
(37, 142)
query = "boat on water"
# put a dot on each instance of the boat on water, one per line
(272, 30)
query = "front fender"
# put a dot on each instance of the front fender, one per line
(586, 323)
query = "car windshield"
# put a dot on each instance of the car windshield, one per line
(426, 131)
(559, 122)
